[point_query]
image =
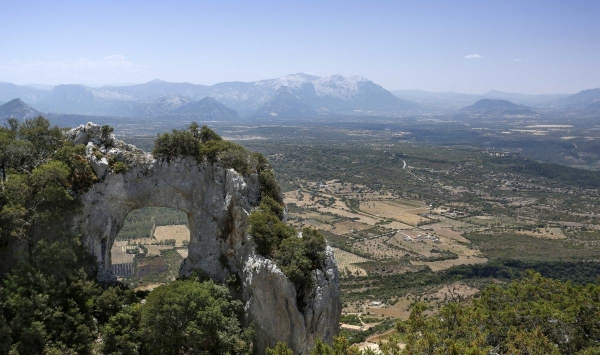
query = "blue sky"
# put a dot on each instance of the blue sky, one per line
(462, 46)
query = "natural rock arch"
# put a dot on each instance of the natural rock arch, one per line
(217, 202)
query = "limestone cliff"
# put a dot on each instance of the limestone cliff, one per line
(217, 202)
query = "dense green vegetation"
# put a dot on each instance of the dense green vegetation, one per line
(341, 346)
(192, 318)
(50, 301)
(41, 177)
(392, 286)
(297, 257)
(204, 144)
(523, 247)
(533, 315)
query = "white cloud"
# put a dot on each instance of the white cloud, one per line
(110, 69)
(518, 59)
(473, 56)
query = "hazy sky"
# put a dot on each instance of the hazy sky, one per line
(463, 46)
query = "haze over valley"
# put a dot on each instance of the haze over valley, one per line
(304, 178)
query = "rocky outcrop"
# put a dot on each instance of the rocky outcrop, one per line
(271, 305)
(217, 202)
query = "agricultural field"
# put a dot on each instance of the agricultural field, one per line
(149, 251)
(433, 211)
(347, 263)
(372, 193)
(180, 233)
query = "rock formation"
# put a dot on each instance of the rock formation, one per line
(217, 202)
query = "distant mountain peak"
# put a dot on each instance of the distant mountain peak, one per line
(156, 81)
(16, 102)
(17, 109)
(208, 108)
(497, 106)
(210, 99)
(494, 92)
(308, 77)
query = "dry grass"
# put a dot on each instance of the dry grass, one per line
(403, 212)
(148, 287)
(401, 309)
(378, 248)
(179, 232)
(154, 250)
(547, 233)
(346, 227)
(445, 264)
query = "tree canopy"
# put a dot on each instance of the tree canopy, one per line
(193, 318)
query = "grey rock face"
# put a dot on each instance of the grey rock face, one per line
(270, 301)
(217, 202)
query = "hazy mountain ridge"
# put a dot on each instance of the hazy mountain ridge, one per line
(294, 95)
(446, 101)
(497, 107)
(542, 100)
(307, 93)
(453, 101)
(286, 104)
(208, 109)
(17, 109)
(28, 94)
(582, 99)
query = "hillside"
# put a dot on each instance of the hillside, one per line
(581, 100)
(285, 104)
(497, 107)
(17, 109)
(30, 95)
(208, 109)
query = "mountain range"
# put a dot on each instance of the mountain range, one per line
(290, 96)
(295, 95)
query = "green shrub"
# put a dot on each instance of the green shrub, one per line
(204, 144)
(296, 257)
(315, 247)
(268, 204)
(234, 156)
(268, 232)
(292, 259)
(189, 317)
(106, 130)
(269, 186)
(178, 143)
(120, 167)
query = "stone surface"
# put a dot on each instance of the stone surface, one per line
(271, 305)
(217, 202)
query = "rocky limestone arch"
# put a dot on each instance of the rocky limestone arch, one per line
(217, 202)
